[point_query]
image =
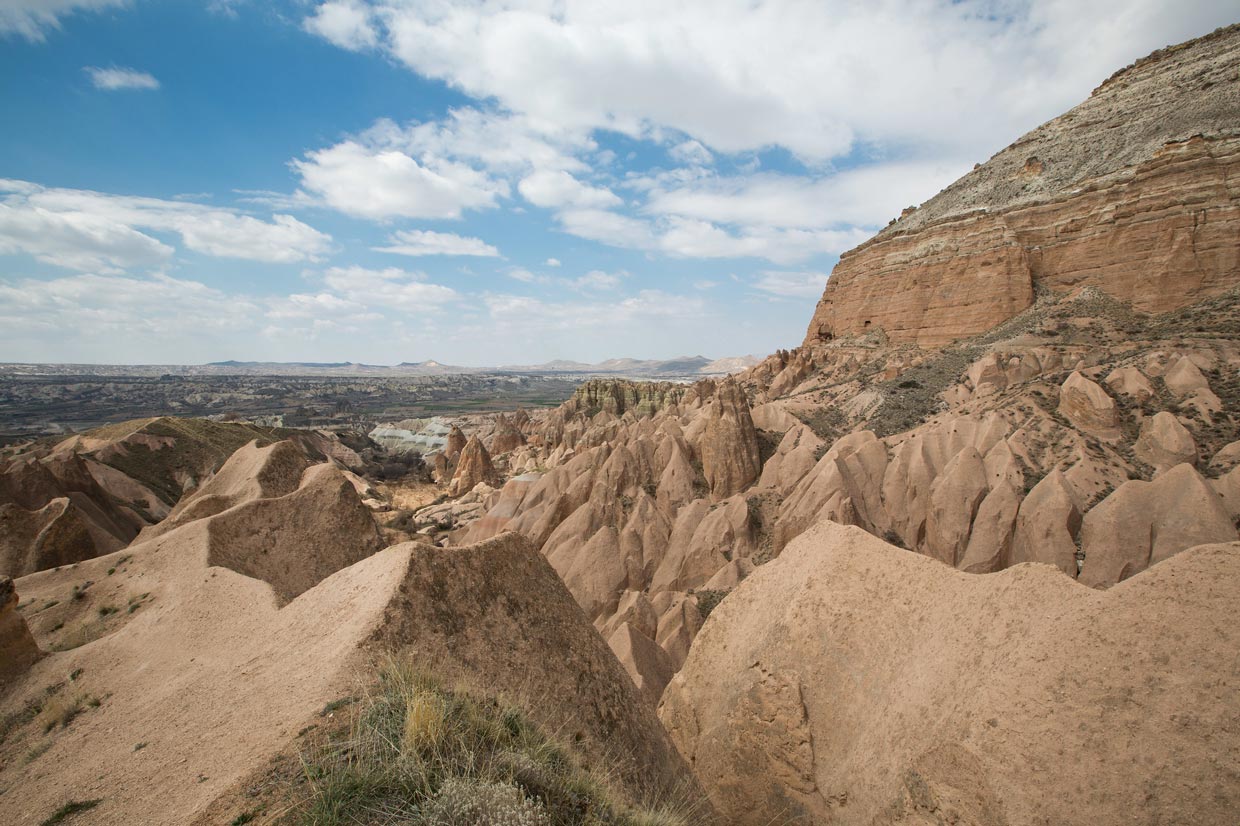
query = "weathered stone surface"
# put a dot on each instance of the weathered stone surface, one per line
(1088, 407)
(646, 663)
(729, 446)
(1165, 443)
(1131, 382)
(506, 437)
(473, 466)
(850, 682)
(1095, 197)
(17, 647)
(1143, 523)
(1047, 524)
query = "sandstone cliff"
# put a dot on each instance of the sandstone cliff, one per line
(1133, 191)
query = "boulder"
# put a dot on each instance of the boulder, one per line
(1130, 382)
(1165, 443)
(1088, 407)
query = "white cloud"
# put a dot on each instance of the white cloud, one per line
(527, 277)
(348, 24)
(827, 74)
(552, 262)
(607, 228)
(33, 18)
(89, 306)
(86, 230)
(555, 188)
(691, 152)
(426, 242)
(596, 280)
(792, 284)
(386, 183)
(867, 196)
(114, 78)
(705, 284)
(390, 288)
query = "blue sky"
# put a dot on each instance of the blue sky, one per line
(493, 183)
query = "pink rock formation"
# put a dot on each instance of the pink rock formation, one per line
(1143, 523)
(473, 466)
(851, 682)
(17, 647)
(1088, 407)
(729, 446)
(1165, 443)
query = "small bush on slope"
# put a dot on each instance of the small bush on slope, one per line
(422, 755)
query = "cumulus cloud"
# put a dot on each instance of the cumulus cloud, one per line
(389, 288)
(32, 19)
(114, 78)
(552, 262)
(86, 230)
(348, 24)
(426, 242)
(829, 74)
(555, 188)
(379, 183)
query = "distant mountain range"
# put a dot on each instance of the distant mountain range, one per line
(676, 368)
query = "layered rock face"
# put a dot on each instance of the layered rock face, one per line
(851, 682)
(1133, 192)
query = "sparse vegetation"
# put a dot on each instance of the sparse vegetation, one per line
(417, 753)
(70, 809)
(708, 599)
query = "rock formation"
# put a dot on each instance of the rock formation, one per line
(473, 467)
(850, 682)
(18, 650)
(506, 437)
(729, 446)
(1126, 192)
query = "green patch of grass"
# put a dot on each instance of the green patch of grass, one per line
(244, 817)
(73, 675)
(70, 809)
(104, 610)
(419, 754)
(140, 746)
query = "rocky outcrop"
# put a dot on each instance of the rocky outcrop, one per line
(506, 437)
(729, 446)
(1128, 192)
(1143, 523)
(17, 647)
(251, 473)
(473, 467)
(1088, 407)
(1165, 443)
(496, 615)
(309, 550)
(850, 682)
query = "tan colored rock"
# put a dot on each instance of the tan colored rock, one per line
(848, 670)
(308, 550)
(636, 610)
(456, 443)
(1047, 524)
(506, 438)
(1088, 407)
(845, 486)
(251, 473)
(989, 545)
(702, 542)
(1226, 458)
(954, 499)
(679, 622)
(729, 576)
(18, 650)
(647, 664)
(594, 573)
(1165, 443)
(1130, 382)
(729, 446)
(51, 536)
(1183, 378)
(1144, 523)
(473, 466)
